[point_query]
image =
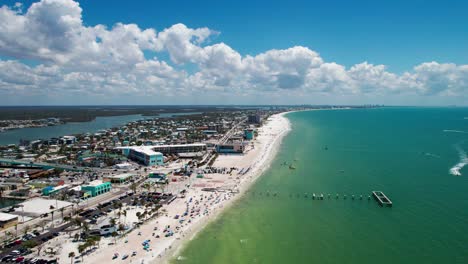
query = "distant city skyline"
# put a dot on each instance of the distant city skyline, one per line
(63, 52)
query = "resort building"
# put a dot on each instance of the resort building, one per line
(231, 147)
(254, 119)
(97, 187)
(7, 220)
(118, 179)
(249, 134)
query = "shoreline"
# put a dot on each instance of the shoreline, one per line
(205, 207)
(261, 166)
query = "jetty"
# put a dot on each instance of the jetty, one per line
(382, 199)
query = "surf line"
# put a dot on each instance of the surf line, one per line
(456, 170)
(455, 131)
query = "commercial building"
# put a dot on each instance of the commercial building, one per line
(96, 187)
(119, 179)
(144, 154)
(7, 220)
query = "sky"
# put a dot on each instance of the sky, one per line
(64, 52)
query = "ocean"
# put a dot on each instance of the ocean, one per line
(416, 156)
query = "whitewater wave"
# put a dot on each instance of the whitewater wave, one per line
(456, 170)
(455, 131)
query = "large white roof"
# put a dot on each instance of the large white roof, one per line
(7, 217)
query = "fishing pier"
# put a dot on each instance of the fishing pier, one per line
(382, 199)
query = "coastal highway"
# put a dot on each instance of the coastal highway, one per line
(230, 132)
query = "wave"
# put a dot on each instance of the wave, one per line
(456, 170)
(455, 131)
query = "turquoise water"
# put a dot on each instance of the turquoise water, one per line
(403, 152)
(100, 123)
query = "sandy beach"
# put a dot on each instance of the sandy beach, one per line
(202, 206)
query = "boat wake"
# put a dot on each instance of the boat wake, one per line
(455, 131)
(456, 170)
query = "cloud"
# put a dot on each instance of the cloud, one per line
(71, 58)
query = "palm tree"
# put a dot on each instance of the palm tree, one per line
(134, 187)
(138, 215)
(71, 255)
(124, 212)
(114, 235)
(81, 249)
(26, 229)
(61, 211)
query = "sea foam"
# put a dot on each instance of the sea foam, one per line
(456, 170)
(455, 131)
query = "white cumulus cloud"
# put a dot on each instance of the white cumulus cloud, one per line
(71, 58)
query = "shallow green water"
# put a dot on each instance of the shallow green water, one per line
(401, 151)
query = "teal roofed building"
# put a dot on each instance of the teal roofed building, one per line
(97, 188)
(249, 134)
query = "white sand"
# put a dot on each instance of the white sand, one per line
(205, 209)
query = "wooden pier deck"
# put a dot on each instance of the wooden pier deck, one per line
(382, 199)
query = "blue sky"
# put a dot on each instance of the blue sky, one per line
(398, 34)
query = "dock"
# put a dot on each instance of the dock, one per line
(382, 199)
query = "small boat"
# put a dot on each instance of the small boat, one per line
(313, 196)
(291, 167)
(321, 196)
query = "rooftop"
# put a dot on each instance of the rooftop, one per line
(94, 183)
(41, 206)
(120, 176)
(7, 217)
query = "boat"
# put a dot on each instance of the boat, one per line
(291, 167)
